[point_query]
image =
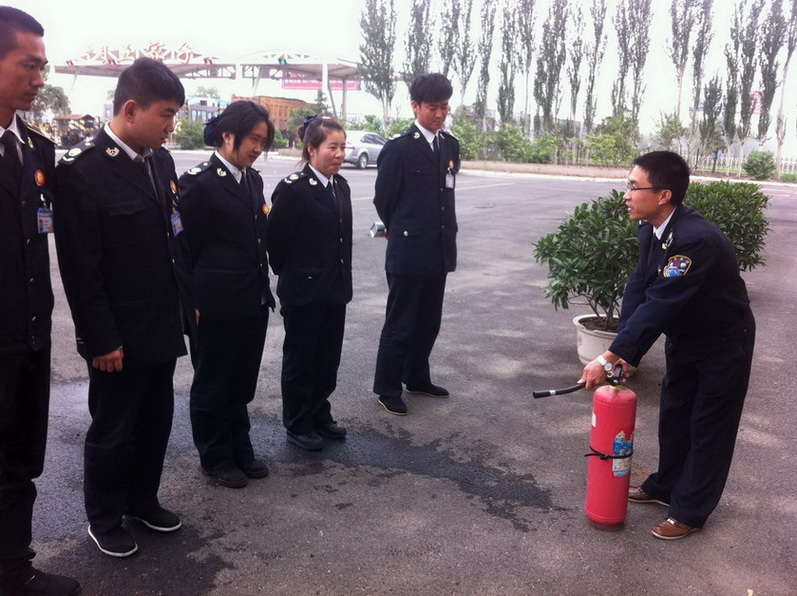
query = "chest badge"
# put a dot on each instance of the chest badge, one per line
(112, 151)
(313, 181)
(173, 186)
(221, 172)
(39, 177)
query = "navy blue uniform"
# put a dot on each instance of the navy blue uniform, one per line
(310, 249)
(414, 197)
(117, 254)
(226, 234)
(687, 285)
(26, 303)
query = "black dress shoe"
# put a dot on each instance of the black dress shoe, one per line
(256, 468)
(309, 441)
(231, 477)
(160, 519)
(331, 430)
(42, 584)
(430, 390)
(394, 405)
(116, 543)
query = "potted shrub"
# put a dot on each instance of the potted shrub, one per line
(589, 258)
(595, 249)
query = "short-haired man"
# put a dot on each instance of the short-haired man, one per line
(687, 286)
(27, 160)
(116, 229)
(414, 198)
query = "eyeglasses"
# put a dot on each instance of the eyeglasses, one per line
(631, 188)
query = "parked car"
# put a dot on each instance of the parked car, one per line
(362, 147)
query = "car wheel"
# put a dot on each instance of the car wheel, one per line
(362, 161)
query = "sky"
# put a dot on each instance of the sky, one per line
(317, 27)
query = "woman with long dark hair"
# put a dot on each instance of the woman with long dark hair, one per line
(223, 214)
(310, 227)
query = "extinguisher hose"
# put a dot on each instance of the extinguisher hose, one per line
(605, 456)
(550, 392)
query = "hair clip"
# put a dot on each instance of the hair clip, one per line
(209, 135)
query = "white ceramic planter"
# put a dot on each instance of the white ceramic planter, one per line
(591, 344)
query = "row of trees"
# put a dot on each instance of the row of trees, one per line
(559, 54)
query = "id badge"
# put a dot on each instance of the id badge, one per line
(177, 223)
(45, 219)
(449, 180)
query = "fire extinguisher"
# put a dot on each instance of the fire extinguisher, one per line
(611, 447)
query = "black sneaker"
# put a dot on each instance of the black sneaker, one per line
(331, 430)
(308, 441)
(116, 543)
(394, 405)
(256, 468)
(160, 520)
(41, 584)
(231, 478)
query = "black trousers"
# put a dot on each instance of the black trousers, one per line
(702, 397)
(226, 357)
(412, 322)
(131, 419)
(310, 361)
(24, 405)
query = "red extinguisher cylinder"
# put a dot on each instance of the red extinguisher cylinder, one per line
(611, 446)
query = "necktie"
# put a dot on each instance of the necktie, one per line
(11, 162)
(331, 189)
(435, 146)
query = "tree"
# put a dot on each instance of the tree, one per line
(683, 17)
(709, 127)
(525, 20)
(640, 17)
(791, 44)
(671, 129)
(416, 44)
(622, 33)
(594, 52)
(550, 61)
(449, 34)
(190, 135)
(50, 99)
(485, 51)
(508, 64)
(378, 29)
(211, 92)
(464, 54)
(744, 43)
(773, 35)
(699, 53)
(575, 54)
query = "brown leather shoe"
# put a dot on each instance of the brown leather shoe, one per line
(637, 495)
(672, 529)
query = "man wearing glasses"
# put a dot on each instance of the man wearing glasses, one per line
(687, 286)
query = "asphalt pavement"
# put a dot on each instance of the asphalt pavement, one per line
(481, 493)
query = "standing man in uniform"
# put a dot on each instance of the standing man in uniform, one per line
(414, 198)
(116, 226)
(687, 286)
(27, 160)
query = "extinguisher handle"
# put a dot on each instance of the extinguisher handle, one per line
(550, 392)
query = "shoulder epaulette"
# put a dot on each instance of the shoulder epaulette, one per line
(448, 134)
(38, 131)
(398, 135)
(198, 169)
(76, 151)
(294, 177)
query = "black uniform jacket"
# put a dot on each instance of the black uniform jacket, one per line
(117, 252)
(310, 240)
(26, 298)
(225, 227)
(693, 292)
(416, 204)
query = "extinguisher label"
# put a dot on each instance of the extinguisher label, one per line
(622, 449)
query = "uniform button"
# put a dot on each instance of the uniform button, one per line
(33, 319)
(259, 241)
(172, 261)
(31, 281)
(341, 240)
(443, 208)
(341, 261)
(406, 233)
(27, 242)
(444, 227)
(24, 204)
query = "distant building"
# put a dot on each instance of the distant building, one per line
(280, 108)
